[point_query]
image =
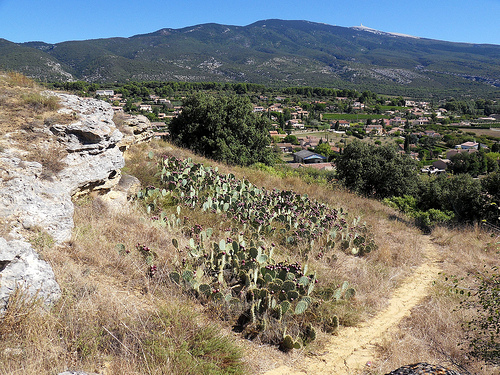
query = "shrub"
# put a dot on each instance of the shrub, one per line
(484, 329)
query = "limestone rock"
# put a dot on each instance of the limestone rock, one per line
(20, 266)
(31, 198)
(118, 199)
(136, 129)
(27, 201)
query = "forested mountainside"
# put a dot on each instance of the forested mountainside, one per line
(274, 52)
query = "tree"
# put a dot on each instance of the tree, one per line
(473, 163)
(324, 149)
(377, 171)
(290, 138)
(224, 129)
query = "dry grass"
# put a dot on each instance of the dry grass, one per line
(111, 318)
(26, 114)
(434, 332)
(373, 276)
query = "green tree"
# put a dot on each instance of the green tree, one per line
(224, 129)
(462, 195)
(473, 163)
(324, 149)
(290, 138)
(377, 171)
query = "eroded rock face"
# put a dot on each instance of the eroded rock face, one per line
(136, 129)
(30, 199)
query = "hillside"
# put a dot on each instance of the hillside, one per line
(272, 52)
(148, 285)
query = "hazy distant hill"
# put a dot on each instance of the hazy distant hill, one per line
(273, 52)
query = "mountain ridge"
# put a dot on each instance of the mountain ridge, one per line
(272, 52)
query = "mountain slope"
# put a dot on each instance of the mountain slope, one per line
(271, 52)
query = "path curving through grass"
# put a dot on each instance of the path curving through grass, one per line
(352, 348)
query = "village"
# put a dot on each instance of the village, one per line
(311, 133)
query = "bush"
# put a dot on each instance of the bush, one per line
(224, 129)
(484, 330)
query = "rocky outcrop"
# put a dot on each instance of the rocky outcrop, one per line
(20, 265)
(136, 129)
(31, 198)
(423, 369)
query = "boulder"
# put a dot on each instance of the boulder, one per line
(136, 129)
(423, 368)
(21, 267)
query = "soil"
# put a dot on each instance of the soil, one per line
(354, 348)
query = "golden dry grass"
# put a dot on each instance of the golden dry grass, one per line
(26, 114)
(111, 316)
(114, 319)
(434, 332)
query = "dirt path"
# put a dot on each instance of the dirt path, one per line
(353, 347)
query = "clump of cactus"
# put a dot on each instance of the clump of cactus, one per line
(293, 218)
(234, 272)
(238, 272)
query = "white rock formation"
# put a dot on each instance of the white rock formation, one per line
(28, 201)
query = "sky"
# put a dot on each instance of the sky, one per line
(53, 21)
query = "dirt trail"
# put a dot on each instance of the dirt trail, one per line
(353, 347)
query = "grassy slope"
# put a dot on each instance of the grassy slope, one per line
(113, 319)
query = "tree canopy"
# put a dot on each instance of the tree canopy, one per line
(378, 171)
(223, 128)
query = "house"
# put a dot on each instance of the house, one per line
(145, 107)
(421, 121)
(344, 124)
(308, 157)
(376, 129)
(432, 134)
(309, 141)
(468, 145)
(275, 108)
(441, 164)
(258, 108)
(285, 147)
(318, 166)
(296, 124)
(396, 121)
(157, 125)
(163, 101)
(273, 133)
(105, 92)
(451, 153)
(395, 130)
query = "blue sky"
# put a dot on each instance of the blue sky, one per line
(52, 21)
